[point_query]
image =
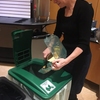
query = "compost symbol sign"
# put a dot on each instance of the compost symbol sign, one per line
(48, 86)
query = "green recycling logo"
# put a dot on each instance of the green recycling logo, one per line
(48, 86)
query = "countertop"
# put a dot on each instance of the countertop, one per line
(23, 21)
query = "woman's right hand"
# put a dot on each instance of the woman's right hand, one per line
(46, 52)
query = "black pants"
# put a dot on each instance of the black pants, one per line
(78, 69)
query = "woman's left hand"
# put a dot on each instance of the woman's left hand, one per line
(57, 64)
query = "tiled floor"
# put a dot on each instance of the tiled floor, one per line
(89, 91)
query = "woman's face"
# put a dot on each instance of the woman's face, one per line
(60, 3)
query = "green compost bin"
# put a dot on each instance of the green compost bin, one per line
(26, 70)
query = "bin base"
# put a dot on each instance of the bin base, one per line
(63, 94)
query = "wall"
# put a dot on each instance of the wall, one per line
(97, 16)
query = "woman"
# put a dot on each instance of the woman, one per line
(74, 20)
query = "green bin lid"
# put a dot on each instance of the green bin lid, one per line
(45, 86)
(22, 46)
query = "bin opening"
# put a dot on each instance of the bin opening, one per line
(34, 69)
(9, 92)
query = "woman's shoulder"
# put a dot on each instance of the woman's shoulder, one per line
(84, 6)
